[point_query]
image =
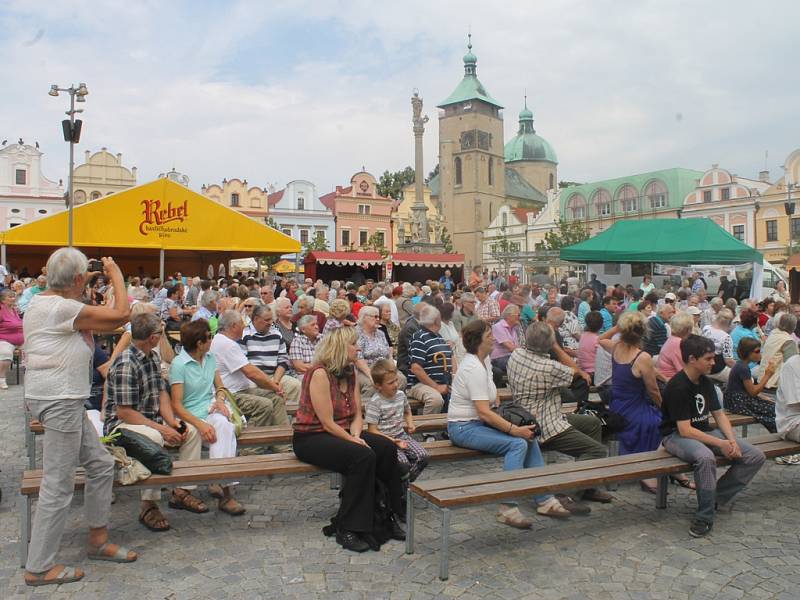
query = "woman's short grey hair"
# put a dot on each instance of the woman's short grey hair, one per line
(429, 315)
(5, 293)
(307, 302)
(367, 311)
(63, 266)
(209, 297)
(717, 301)
(228, 319)
(724, 318)
(308, 319)
(139, 294)
(539, 337)
(681, 324)
(787, 322)
(511, 308)
(143, 325)
(408, 290)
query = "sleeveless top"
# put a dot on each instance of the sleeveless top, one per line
(306, 420)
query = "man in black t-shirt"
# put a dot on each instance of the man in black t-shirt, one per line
(688, 400)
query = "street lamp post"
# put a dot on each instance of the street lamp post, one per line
(72, 134)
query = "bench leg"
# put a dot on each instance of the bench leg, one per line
(444, 558)
(24, 528)
(30, 441)
(409, 522)
(661, 492)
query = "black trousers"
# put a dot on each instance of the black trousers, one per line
(360, 466)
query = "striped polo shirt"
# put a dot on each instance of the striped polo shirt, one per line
(424, 346)
(267, 351)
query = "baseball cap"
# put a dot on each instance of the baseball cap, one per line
(693, 310)
(670, 296)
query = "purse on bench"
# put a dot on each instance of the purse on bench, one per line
(516, 414)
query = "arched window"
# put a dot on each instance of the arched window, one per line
(657, 194)
(552, 182)
(79, 196)
(457, 164)
(491, 171)
(95, 195)
(301, 203)
(505, 219)
(601, 200)
(628, 198)
(576, 207)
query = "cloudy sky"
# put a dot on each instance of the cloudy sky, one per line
(282, 90)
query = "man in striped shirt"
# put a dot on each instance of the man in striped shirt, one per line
(266, 349)
(430, 361)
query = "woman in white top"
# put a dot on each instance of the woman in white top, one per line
(647, 285)
(59, 347)
(472, 424)
(449, 333)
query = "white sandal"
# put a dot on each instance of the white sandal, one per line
(553, 508)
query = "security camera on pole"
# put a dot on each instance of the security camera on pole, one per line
(72, 134)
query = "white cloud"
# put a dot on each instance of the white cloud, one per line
(186, 85)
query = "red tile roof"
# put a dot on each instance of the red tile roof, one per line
(275, 197)
(522, 214)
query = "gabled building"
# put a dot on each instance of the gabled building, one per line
(101, 175)
(360, 212)
(25, 193)
(299, 213)
(507, 236)
(235, 193)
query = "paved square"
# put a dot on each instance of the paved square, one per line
(624, 550)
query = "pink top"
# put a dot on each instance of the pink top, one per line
(587, 351)
(669, 361)
(10, 326)
(503, 332)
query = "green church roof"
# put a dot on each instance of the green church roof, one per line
(526, 145)
(469, 88)
(518, 187)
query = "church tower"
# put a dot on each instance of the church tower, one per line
(471, 162)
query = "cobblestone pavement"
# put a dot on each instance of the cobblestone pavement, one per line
(627, 549)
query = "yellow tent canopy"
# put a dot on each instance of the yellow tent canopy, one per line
(142, 226)
(284, 266)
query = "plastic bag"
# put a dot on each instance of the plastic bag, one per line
(146, 451)
(128, 470)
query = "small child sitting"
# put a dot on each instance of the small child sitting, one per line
(387, 411)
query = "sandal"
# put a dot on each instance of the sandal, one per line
(150, 516)
(553, 508)
(684, 482)
(215, 491)
(119, 556)
(188, 502)
(511, 516)
(232, 507)
(65, 575)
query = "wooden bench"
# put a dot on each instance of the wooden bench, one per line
(457, 492)
(217, 470)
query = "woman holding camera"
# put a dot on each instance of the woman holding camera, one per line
(472, 424)
(59, 346)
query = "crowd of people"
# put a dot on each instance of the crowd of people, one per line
(199, 360)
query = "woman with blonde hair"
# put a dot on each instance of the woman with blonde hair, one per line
(340, 315)
(328, 433)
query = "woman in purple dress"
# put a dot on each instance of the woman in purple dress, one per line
(634, 390)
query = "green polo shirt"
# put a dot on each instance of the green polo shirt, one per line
(197, 379)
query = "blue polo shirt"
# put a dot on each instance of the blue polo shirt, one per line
(197, 379)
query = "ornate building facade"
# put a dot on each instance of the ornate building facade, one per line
(25, 193)
(299, 213)
(101, 175)
(236, 194)
(360, 213)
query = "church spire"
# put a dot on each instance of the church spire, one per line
(470, 60)
(526, 118)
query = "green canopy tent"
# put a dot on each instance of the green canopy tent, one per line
(667, 241)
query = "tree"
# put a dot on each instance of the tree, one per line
(447, 241)
(318, 242)
(375, 244)
(269, 261)
(391, 184)
(502, 249)
(433, 173)
(567, 234)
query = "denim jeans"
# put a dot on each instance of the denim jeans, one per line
(517, 453)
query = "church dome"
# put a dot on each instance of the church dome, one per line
(526, 145)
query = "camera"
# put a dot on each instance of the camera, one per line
(95, 266)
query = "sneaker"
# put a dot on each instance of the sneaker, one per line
(700, 528)
(351, 541)
(791, 459)
(511, 516)
(3, 384)
(573, 506)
